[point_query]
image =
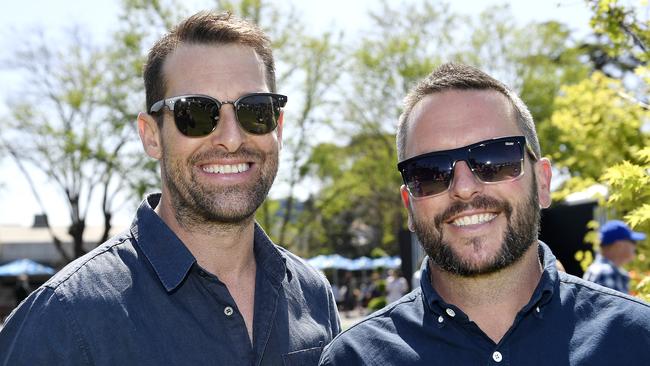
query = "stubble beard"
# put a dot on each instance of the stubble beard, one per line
(198, 206)
(520, 233)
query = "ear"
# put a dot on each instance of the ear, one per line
(543, 173)
(150, 135)
(279, 128)
(406, 200)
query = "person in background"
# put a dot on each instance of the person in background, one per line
(350, 292)
(396, 285)
(195, 280)
(617, 248)
(490, 293)
(22, 289)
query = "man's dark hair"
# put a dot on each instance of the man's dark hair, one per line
(205, 28)
(463, 77)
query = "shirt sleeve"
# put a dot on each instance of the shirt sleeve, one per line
(41, 331)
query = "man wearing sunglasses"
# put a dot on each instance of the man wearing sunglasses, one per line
(195, 281)
(490, 294)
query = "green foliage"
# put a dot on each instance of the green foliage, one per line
(359, 200)
(629, 182)
(643, 289)
(358, 207)
(602, 140)
(378, 253)
(377, 303)
(597, 127)
(381, 286)
(75, 119)
(627, 29)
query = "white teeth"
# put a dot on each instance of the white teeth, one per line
(226, 169)
(474, 219)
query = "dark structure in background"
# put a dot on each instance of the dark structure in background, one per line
(563, 228)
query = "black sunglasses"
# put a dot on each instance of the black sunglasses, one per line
(197, 115)
(491, 161)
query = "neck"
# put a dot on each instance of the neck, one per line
(223, 249)
(492, 301)
(610, 252)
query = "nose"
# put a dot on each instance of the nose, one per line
(228, 134)
(464, 185)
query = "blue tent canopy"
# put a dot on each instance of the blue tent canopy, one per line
(25, 266)
(336, 261)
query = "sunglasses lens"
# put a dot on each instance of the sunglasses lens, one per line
(258, 114)
(497, 161)
(196, 116)
(428, 176)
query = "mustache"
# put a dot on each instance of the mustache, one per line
(478, 202)
(243, 153)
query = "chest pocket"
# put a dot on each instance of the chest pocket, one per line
(309, 356)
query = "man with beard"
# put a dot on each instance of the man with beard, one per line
(490, 294)
(194, 281)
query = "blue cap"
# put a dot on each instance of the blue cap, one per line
(615, 230)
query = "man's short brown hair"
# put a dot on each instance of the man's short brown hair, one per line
(463, 77)
(205, 28)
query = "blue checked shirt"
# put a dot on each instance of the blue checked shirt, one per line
(142, 299)
(568, 321)
(605, 273)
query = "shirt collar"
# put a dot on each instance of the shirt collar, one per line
(269, 258)
(602, 259)
(548, 284)
(172, 261)
(169, 257)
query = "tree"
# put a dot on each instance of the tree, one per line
(598, 128)
(74, 123)
(404, 44)
(629, 181)
(358, 207)
(56, 123)
(627, 29)
(604, 125)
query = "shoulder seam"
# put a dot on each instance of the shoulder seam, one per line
(614, 293)
(59, 282)
(381, 312)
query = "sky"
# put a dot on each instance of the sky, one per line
(18, 207)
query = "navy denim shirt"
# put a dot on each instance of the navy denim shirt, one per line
(142, 299)
(568, 321)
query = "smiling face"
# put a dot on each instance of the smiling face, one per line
(225, 176)
(473, 228)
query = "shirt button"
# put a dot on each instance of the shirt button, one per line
(228, 311)
(450, 312)
(537, 309)
(496, 356)
(440, 319)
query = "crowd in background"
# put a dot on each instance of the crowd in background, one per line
(359, 294)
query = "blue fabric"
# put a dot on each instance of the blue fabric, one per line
(141, 299)
(605, 273)
(614, 230)
(25, 267)
(568, 321)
